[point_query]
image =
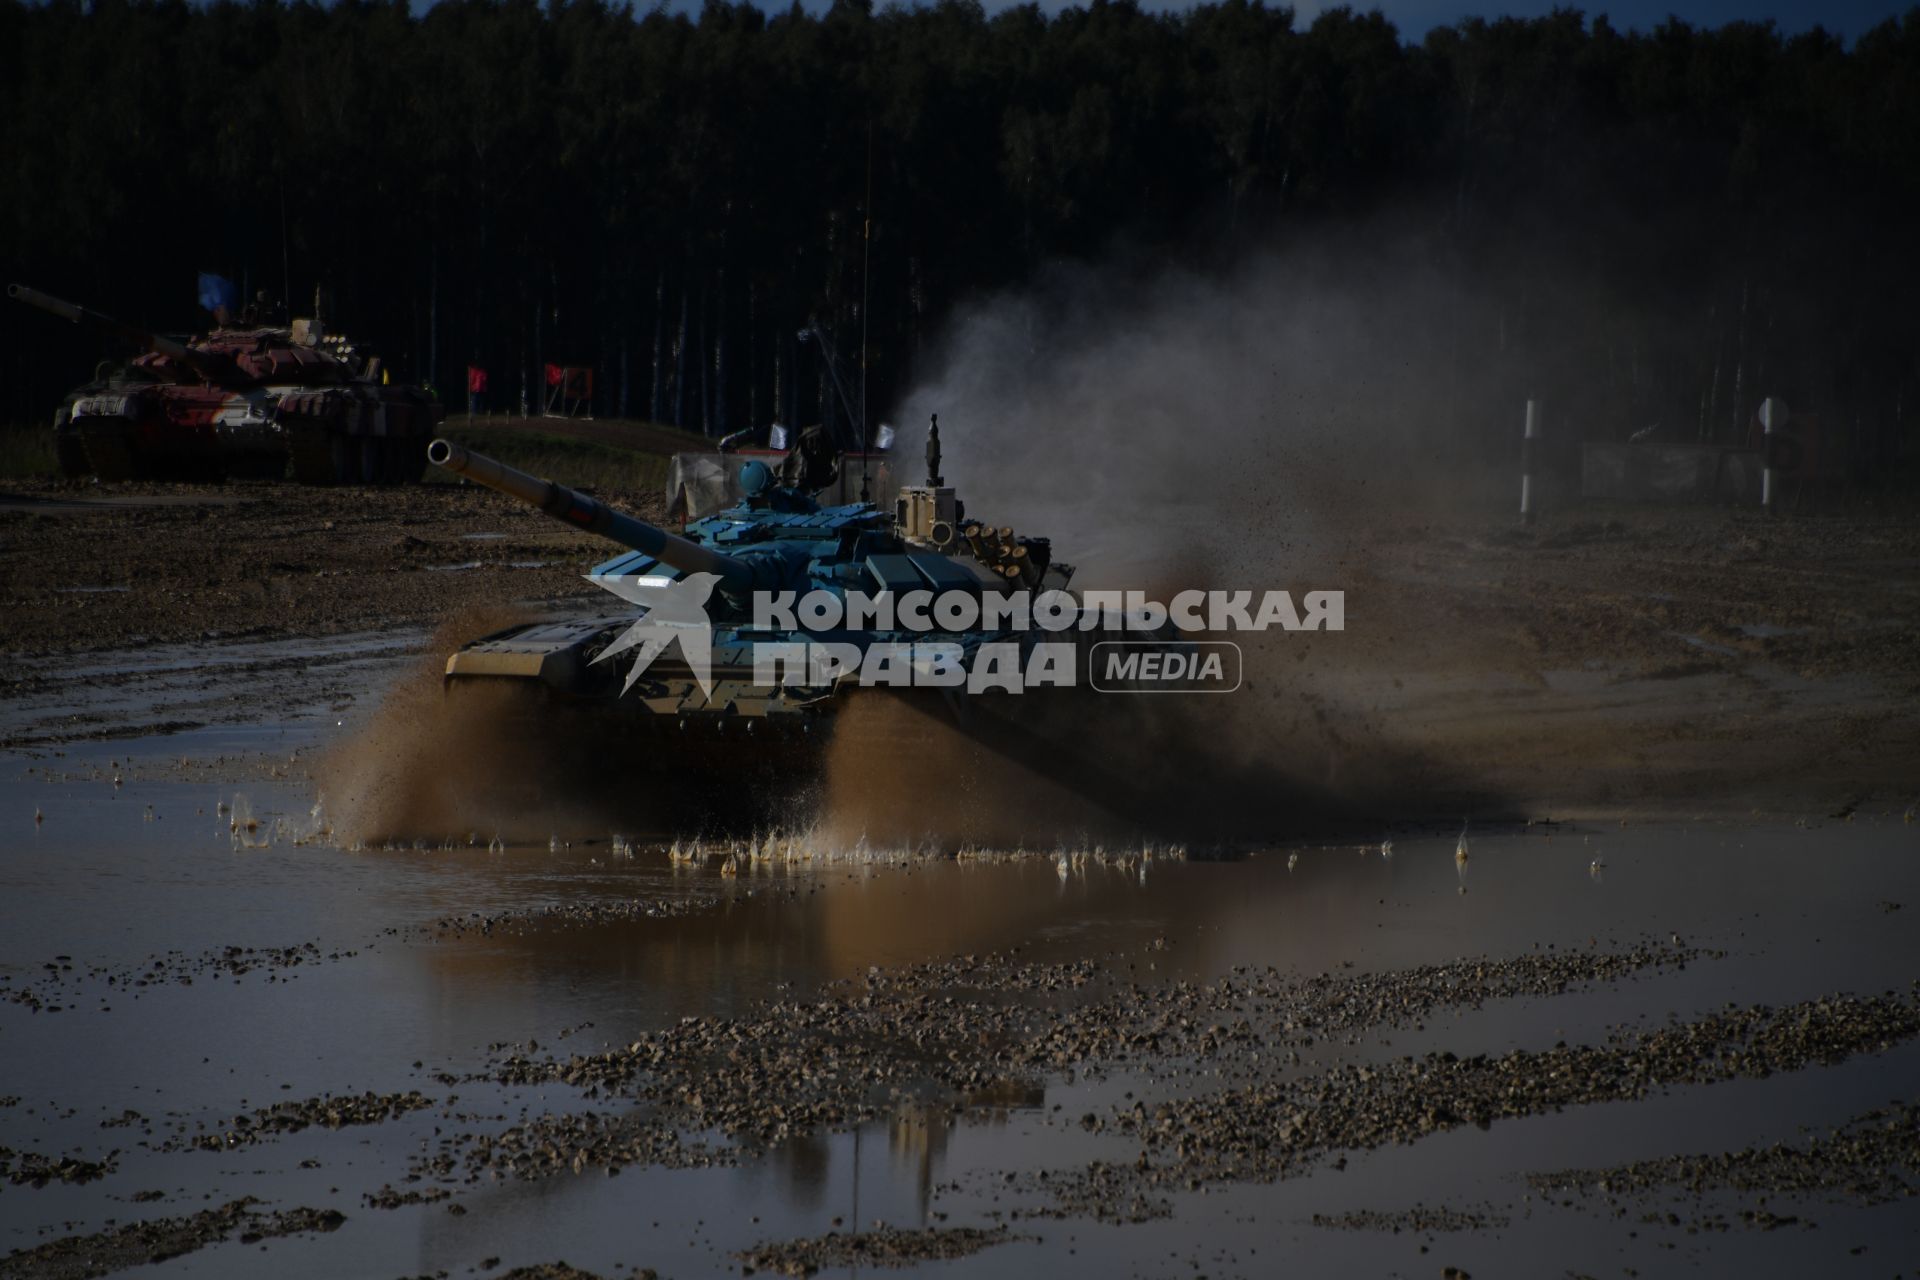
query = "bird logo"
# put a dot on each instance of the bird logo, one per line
(674, 612)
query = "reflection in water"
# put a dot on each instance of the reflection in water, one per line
(918, 1131)
(803, 1165)
(917, 1134)
(102, 884)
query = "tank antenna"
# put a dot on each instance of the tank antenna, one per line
(286, 267)
(866, 275)
(933, 453)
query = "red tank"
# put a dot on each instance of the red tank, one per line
(249, 400)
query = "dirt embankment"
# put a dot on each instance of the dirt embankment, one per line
(85, 567)
(1625, 659)
(1682, 660)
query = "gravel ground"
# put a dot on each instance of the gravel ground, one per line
(86, 569)
(886, 1247)
(105, 1252)
(1873, 1159)
(1279, 1128)
(975, 1031)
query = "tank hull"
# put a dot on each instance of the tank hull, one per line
(340, 435)
(747, 756)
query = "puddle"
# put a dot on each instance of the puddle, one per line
(116, 876)
(208, 924)
(182, 687)
(1708, 645)
(470, 565)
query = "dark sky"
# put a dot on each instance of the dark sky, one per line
(1847, 18)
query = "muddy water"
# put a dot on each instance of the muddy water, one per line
(379, 994)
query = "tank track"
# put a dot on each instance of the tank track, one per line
(326, 456)
(108, 449)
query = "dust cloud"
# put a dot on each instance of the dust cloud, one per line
(1256, 425)
(1251, 431)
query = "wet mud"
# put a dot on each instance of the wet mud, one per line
(882, 1248)
(1564, 926)
(161, 1240)
(1045, 1052)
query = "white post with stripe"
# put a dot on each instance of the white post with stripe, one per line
(1773, 416)
(1526, 461)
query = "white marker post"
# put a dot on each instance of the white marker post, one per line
(1773, 416)
(1526, 461)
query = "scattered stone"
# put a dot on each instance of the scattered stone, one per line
(1419, 1219)
(1277, 1128)
(882, 1247)
(157, 1240)
(389, 1197)
(976, 1031)
(29, 1168)
(1874, 1159)
(327, 1110)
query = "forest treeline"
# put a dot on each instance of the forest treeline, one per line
(1671, 224)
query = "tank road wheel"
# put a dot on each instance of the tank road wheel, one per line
(71, 455)
(311, 453)
(413, 459)
(416, 459)
(108, 449)
(346, 459)
(372, 460)
(392, 460)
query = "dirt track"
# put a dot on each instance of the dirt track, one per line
(1604, 660)
(1678, 661)
(87, 567)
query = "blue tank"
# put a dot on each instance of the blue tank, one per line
(718, 587)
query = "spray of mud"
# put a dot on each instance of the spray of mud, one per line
(1167, 431)
(900, 773)
(437, 763)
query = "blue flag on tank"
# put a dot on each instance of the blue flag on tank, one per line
(217, 292)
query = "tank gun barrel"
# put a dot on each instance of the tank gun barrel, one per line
(591, 514)
(209, 367)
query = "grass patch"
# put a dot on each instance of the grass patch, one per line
(577, 463)
(26, 453)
